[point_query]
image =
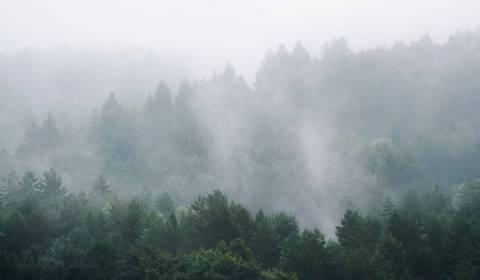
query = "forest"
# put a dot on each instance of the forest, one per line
(47, 233)
(344, 165)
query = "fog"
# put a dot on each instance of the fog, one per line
(210, 33)
(310, 107)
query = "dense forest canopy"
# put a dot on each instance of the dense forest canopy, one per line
(310, 134)
(379, 149)
(47, 233)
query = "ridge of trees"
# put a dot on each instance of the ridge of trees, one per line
(47, 233)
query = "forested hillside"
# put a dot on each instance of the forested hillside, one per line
(309, 135)
(342, 165)
(48, 233)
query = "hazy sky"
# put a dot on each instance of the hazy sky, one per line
(214, 31)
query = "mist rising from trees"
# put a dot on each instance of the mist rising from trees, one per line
(311, 135)
(345, 165)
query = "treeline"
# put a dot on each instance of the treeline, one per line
(310, 134)
(401, 115)
(49, 233)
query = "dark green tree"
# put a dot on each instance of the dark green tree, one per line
(305, 254)
(211, 220)
(264, 241)
(356, 232)
(224, 262)
(132, 223)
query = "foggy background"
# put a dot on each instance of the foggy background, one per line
(207, 34)
(311, 128)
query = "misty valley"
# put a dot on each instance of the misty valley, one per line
(331, 164)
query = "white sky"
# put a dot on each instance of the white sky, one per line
(214, 31)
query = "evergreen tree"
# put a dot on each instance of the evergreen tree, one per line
(356, 232)
(467, 199)
(305, 255)
(160, 104)
(51, 184)
(188, 133)
(265, 244)
(211, 220)
(132, 223)
(171, 234)
(284, 225)
(223, 263)
(116, 139)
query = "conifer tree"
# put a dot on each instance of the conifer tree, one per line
(51, 184)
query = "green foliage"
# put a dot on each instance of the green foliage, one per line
(46, 234)
(355, 231)
(412, 119)
(51, 184)
(149, 265)
(131, 226)
(214, 218)
(40, 140)
(224, 262)
(392, 165)
(467, 200)
(270, 232)
(275, 274)
(308, 256)
(266, 246)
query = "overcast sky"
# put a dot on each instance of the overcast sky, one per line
(215, 31)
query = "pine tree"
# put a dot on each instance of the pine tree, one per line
(264, 243)
(51, 184)
(171, 234)
(355, 231)
(187, 134)
(115, 136)
(349, 230)
(305, 254)
(160, 104)
(132, 223)
(228, 76)
(211, 220)
(28, 183)
(284, 225)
